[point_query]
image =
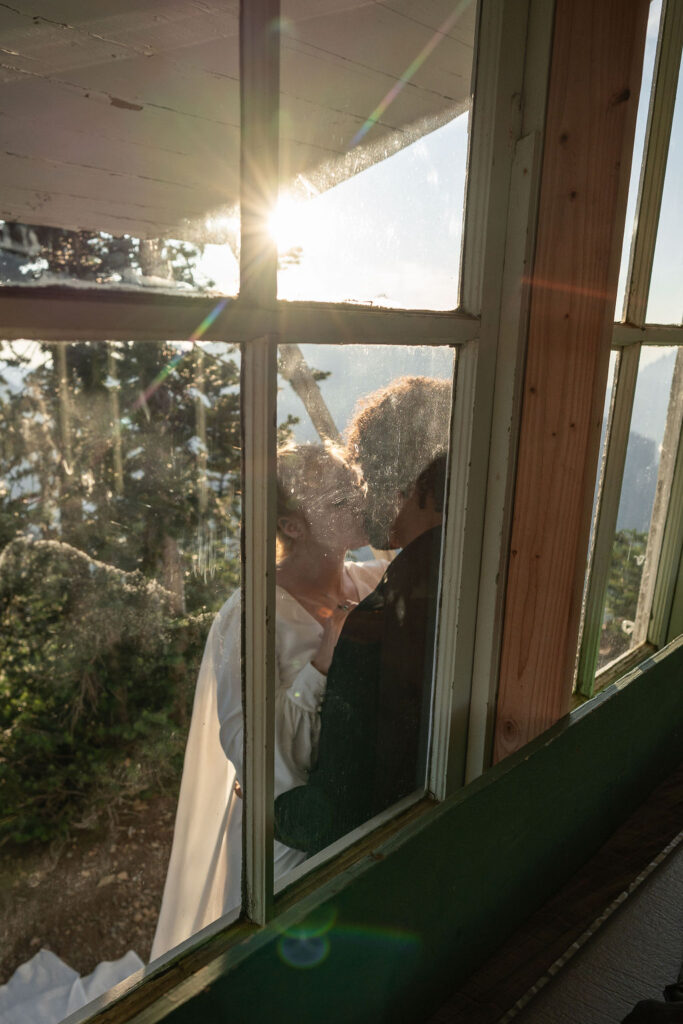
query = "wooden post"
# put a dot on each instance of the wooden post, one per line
(592, 104)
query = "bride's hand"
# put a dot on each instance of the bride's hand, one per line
(332, 627)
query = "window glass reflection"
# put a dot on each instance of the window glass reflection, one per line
(121, 155)
(638, 148)
(653, 397)
(358, 580)
(665, 305)
(32, 254)
(119, 536)
(375, 103)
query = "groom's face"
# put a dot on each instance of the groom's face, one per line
(383, 502)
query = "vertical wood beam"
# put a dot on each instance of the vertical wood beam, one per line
(258, 389)
(260, 97)
(592, 104)
(259, 131)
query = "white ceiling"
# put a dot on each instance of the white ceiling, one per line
(124, 116)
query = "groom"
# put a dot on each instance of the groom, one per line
(375, 717)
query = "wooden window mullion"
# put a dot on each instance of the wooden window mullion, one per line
(259, 81)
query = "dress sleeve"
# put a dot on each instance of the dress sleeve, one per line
(297, 707)
(225, 655)
(297, 727)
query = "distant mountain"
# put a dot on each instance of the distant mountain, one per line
(650, 407)
(639, 484)
(651, 400)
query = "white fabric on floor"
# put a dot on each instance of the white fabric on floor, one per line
(44, 990)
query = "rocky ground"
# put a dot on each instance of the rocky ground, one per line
(91, 896)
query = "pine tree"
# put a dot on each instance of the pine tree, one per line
(623, 586)
(131, 453)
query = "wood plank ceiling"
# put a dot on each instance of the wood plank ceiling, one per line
(124, 117)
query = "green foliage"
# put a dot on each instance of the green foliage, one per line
(94, 667)
(623, 586)
(129, 452)
(119, 539)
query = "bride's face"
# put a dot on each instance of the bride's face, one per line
(334, 510)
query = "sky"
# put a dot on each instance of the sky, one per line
(665, 303)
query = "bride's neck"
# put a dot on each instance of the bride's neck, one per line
(317, 572)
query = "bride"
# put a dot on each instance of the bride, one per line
(319, 518)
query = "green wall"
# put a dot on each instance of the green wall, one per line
(392, 944)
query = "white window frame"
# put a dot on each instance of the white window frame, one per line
(665, 541)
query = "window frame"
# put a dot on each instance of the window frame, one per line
(628, 337)
(511, 61)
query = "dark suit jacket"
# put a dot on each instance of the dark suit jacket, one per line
(375, 717)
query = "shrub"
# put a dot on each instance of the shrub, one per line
(93, 669)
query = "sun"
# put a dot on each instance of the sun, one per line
(289, 223)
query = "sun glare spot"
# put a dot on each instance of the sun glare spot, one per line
(289, 223)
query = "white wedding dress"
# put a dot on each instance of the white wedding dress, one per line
(205, 868)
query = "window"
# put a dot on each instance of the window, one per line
(391, 183)
(127, 450)
(309, 331)
(632, 568)
(120, 520)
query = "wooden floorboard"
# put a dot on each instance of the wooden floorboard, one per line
(547, 935)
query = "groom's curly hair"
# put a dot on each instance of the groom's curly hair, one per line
(395, 434)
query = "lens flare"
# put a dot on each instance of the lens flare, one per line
(170, 366)
(309, 943)
(412, 68)
(303, 953)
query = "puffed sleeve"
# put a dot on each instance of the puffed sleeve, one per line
(297, 704)
(297, 727)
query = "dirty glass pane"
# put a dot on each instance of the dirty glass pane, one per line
(373, 141)
(359, 542)
(638, 147)
(119, 542)
(38, 255)
(665, 305)
(653, 398)
(121, 152)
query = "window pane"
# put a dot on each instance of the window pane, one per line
(120, 158)
(665, 305)
(651, 401)
(355, 627)
(374, 135)
(32, 254)
(638, 146)
(119, 520)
